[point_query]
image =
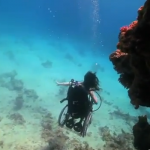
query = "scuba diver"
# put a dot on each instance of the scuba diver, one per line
(78, 95)
(90, 84)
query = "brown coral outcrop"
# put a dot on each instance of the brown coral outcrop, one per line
(132, 58)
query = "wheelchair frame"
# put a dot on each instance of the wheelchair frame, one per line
(87, 120)
(86, 123)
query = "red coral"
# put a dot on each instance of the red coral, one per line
(124, 28)
(130, 27)
(132, 57)
(133, 25)
(140, 9)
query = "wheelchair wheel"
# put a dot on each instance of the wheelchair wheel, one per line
(86, 123)
(63, 116)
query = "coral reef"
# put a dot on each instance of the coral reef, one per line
(30, 94)
(141, 132)
(58, 140)
(132, 58)
(47, 122)
(47, 130)
(18, 102)
(1, 118)
(70, 58)
(17, 118)
(47, 64)
(116, 142)
(75, 144)
(8, 80)
(129, 119)
(1, 144)
(85, 146)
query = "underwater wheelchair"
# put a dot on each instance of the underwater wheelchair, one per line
(79, 107)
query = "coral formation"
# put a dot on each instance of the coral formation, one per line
(8, 80)
(30, 94)
(47, 130)
(1, 144)
(132, 58)
(57, 139)
(116, 142)
(19, 102)
(47, 64)
(70, 58)
(141, 132)
(129, 119)
(83, 147)
(47, 122)
(17, 118)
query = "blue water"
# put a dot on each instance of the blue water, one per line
(43, 41)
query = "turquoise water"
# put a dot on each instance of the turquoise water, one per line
(46, 41)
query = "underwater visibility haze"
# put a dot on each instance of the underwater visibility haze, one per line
(43, 42)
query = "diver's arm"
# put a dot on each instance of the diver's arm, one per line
(94, 98)
(63, 83)
(67, 83)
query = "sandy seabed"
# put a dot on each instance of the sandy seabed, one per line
(29, 97)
